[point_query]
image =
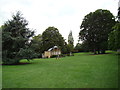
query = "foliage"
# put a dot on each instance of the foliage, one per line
(37, 44)
(15, 36)
(89, 71)
(95, 29)
(114, 38)
(27, 53)
(69, 48)
(51, 37)
(70, 42)
(70, 38)
(77, 47)
(83, 47)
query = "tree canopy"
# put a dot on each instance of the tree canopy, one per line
(114, 36)
(95, 28)
(37, 44)
(51, 37)
(15, 38)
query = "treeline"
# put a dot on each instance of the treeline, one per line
(98, 32)
(49, 38)
(19, 41)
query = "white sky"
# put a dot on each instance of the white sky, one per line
(65, 15)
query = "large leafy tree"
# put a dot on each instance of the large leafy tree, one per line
(15, 39)
(95, 29)
(51, 37)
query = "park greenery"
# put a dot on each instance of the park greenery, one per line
(79, 71)
(114, 35)
(15, 39)
(114, 38)
(51, 37)
(99, 32)
(95, 29)
(84, 65)
(70, 42)
(36, 45)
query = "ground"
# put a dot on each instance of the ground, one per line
(83, 70)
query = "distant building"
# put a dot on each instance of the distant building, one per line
(52, 51)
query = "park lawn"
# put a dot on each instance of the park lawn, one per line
(83, 70)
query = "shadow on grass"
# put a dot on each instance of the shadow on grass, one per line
(21, 63)
(100, 54)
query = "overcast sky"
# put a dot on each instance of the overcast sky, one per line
(65, 15)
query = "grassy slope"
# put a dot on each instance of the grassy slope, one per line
(79, 71)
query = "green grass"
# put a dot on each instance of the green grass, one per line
(80, 71)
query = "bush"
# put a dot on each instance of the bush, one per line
(62, 55)
(7, 61)
(54, 56)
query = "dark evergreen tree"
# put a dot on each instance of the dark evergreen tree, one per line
(15, 38)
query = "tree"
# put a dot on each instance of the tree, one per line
(15, 38)
(114, 38)
(37, 44)
(69, 48)
(70, 42)
(82, 47)
(51, 37)
(111, 40)
(70, 39)
(95, 29)
(77, 47)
